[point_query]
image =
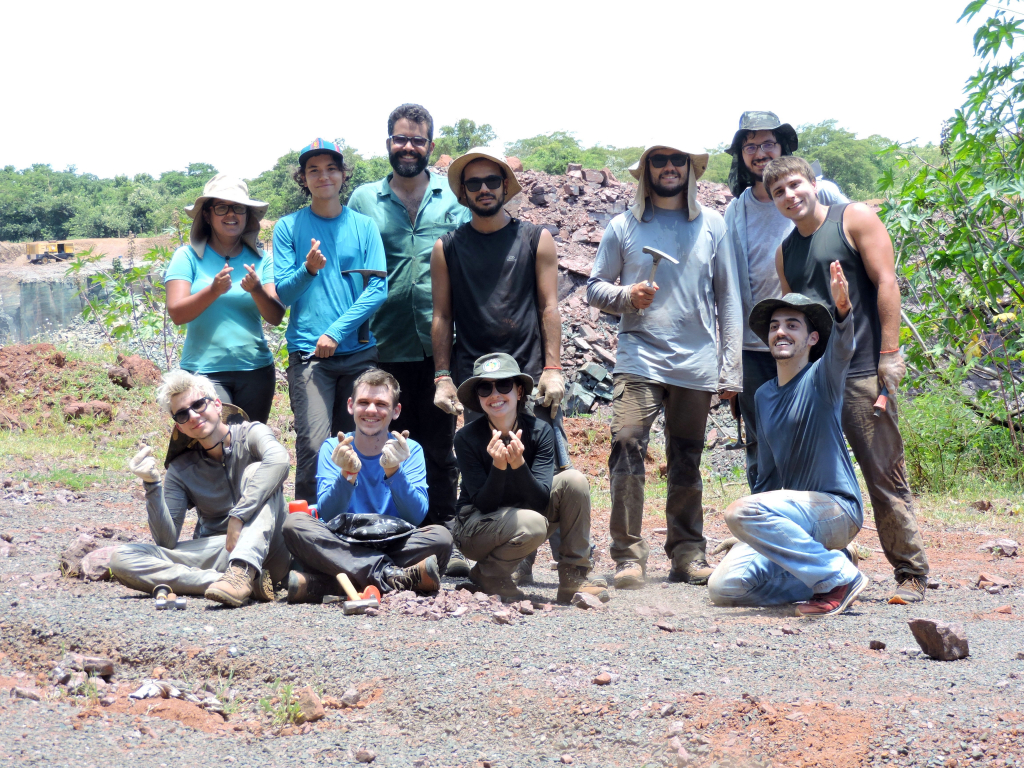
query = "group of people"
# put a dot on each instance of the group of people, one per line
(423, 299)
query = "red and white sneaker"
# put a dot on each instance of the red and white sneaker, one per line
(835, 601)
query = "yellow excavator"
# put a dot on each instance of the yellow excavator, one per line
(58, 250)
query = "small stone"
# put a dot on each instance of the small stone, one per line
(107, 701)
(990, 579)
(93, 665)
(665, 626)
(567, 760)
(364, 755)
(71, 559)
(603, 679)
(587, 602)
(95, 566)
(1004, 609)
(502, 617)
(788, 630)
(742, 642)
(460, 611)
(940, 640)
(310, 708)
(32, 694)
(350, 698)
(59, 676)
(668, 709)
(525, 607)
(876, 645)
(1020, 655)
(158, 673)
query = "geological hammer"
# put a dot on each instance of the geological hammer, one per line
(357, 603)
(364, 329)
(657, 256)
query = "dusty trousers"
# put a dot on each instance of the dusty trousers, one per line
(499, 539)
(878, 448)
(758, 368)
(636, 403)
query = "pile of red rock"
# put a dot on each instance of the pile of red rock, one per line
(454, 604)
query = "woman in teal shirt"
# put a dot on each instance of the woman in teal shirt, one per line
(224, 303)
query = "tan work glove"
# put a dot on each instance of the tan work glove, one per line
(725, 545)
(446, 396)
(891, 370)
(144, 464)
(551, 390)
(346, 458)
(395, 451)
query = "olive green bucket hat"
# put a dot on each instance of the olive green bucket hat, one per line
(494, 367)
(816, 313)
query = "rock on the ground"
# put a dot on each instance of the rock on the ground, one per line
(587, 602)
(1003, 547)
(603, 679)
(95, 566)
(310, 708)
(93, 665)
(32, 694)
(350, 698)
(364, 755)
(876, 645)
(991, 580)
(97, 408)
(940, 640)
(71, 558)
(120, 377)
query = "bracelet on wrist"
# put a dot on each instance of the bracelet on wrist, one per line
(889, 351)
(552, 367)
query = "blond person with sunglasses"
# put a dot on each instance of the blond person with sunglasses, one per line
(232, 472)
(221, 287)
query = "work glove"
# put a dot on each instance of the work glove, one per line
(551, 390)
(891, 370)
(345, 456)
(144, 465)
(725, 545)
(446, 396)
(395, 451)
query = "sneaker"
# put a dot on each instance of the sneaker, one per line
(523, 574)
(422, 577)
(458, 565)
(835, 601)
(235, 586)
(910, 590)
(573, 579)
(306, 587)
(629, 576)
(695, 572)
(505, 588)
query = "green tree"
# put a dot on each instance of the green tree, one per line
(719, 163)
(552, 152)
(455, 140)
(854, 164)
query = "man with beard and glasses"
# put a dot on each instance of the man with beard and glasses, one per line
(495, 282)
(679, 345)
(368, 472)
(756, 228)
(413, 208)
(795, 530)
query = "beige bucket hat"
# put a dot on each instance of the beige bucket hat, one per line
(477, 153)
(698, 164)
(224, 187)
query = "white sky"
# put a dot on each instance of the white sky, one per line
(128, 87)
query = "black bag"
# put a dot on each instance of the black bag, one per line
(368, 528)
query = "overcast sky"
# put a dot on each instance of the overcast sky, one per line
(130, 87)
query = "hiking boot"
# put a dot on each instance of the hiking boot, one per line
(306, 587)
(573, 579)
(263, 587)
(629, 576)
(458, 565)
(910, 590)
(696, 572)
(523, 574)
(235, 586)
(503, 587)
(835, 601)
(422, 577)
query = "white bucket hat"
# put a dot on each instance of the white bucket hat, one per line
(478, 153)
(224, 187)
(698, 164)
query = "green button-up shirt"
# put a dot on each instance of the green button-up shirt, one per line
(402, 324)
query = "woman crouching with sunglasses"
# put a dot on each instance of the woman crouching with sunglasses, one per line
(511, 500)
(221, 287)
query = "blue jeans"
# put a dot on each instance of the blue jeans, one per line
(788, 548)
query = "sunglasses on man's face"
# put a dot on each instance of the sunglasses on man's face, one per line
(399, 140)
(679, 160)
(483, 388)
(198, 406)
(492, 182)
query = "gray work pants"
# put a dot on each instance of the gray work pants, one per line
(499, 539)
(193, 565)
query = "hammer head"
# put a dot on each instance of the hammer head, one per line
(356, 607)
(657, 255)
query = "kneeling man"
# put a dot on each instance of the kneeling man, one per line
(232, 473)
(511, 500)
(806, 505)
(368, 471)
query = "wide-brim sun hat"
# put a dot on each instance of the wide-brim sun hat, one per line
(495, 366)
(697, 165)
(233, 190)
(754, 121)
(816, 312)
(480, 153)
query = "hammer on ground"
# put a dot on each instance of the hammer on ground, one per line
(364, 329)
(358, 603)
(165, 598)
(657, 256)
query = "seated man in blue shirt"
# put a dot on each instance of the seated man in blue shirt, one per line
(368, 471)
(806, 505)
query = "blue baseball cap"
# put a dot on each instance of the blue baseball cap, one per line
(319, 147)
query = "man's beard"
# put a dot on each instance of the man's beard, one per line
(664, 191)
(789, 352)
(407, 167)
(488, 210)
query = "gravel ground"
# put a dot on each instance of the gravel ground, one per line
(729, 686)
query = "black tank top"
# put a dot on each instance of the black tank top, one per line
(805, 261)
(494, 296)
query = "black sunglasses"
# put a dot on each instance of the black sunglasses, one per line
(221, 209)
(180, 417)
(492, 182)
(483, 388)
(400, 141)
(679, 160)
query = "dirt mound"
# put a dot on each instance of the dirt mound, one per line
(26, 368)
(11, 252)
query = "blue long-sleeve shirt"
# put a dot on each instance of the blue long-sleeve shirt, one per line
(403, 495)
(329, 302)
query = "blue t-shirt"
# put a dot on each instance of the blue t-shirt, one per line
(228, 335)
(403, 495)
(800, 444)
(329, 302)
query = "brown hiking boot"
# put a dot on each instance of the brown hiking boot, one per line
(910, 590)
(629, 576)
(573, 579)
(235, 586)
(523, 574)
(306, 587)
(696, 572)
(503, 587)
(422, 577)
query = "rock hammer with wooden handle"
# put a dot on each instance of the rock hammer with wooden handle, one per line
(357, 603)
(657, 256)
